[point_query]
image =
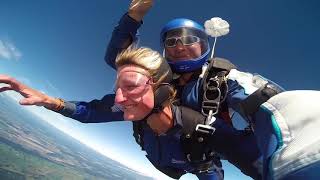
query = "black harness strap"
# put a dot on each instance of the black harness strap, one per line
(196, 134)
(190, 119)
(251, 104)
(195, 143)
(195, 138)
(215, 86)
(138, 133)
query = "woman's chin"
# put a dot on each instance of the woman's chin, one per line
(135, 114)
(132, 117)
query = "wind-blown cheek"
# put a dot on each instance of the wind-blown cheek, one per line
(140, 110)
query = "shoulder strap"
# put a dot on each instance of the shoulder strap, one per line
(251, 104)
(215, 86)
(221, 63)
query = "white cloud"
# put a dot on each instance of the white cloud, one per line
(9, 51)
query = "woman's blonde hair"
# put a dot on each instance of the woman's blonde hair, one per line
(149, 60)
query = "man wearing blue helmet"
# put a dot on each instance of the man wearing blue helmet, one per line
(186, 48)
(249, 95)
(186, 45)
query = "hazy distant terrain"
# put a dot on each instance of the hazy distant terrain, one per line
(30, 148)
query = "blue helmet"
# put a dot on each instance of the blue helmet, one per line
(181, 28)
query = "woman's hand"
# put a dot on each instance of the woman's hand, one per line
(138, 9)
(32, 97)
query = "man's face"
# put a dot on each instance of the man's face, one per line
(185, 48)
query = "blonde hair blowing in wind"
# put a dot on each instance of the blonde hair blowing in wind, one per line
(147, 59)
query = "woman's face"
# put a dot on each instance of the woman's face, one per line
(134, 92)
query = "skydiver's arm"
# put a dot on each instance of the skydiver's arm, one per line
(236, 94)
(125, 33)
(242, 85)
(94, 111)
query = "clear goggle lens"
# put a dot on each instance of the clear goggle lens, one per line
(185, 40)
(132, 83)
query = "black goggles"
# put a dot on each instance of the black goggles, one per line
(185, 40)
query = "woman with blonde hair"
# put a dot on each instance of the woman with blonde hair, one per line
(143, 78)
(142, 94)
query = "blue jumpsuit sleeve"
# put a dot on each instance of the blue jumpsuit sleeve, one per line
(236, 94)
(124, 34)
(95, 111)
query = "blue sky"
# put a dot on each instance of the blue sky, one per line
(58, 47)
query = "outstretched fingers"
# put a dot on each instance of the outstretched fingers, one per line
(30, 101)
(32, 97)
(6, 88)
(6, 79)
(11, 82)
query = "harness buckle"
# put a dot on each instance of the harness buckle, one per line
(210, 118)
(213, 83)
(210, 105)
(205, 129)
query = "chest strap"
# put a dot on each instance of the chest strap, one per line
(214, 85)
(195, 143)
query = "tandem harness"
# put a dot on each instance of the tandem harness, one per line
(196, 127)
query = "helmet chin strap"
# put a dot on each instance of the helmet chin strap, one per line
(161, 95)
